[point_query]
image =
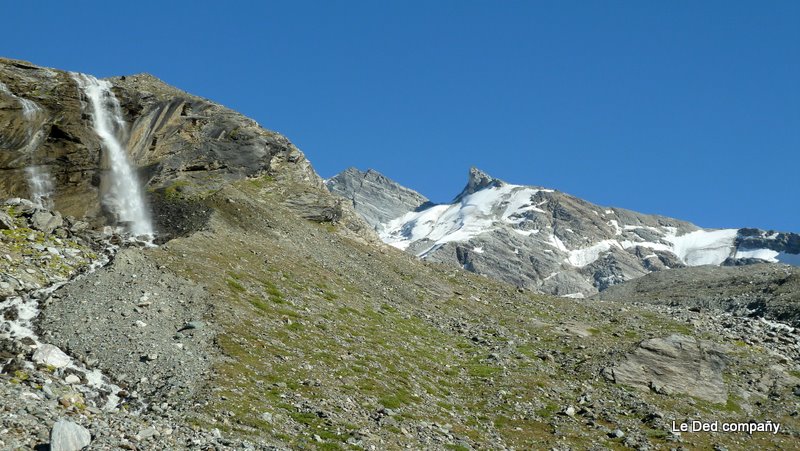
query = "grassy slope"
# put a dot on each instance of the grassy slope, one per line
(322, 332)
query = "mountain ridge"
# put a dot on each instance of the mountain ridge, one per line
(530, 236)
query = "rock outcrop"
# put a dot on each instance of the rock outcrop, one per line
(375, 197)
(68, 436)
(764, 290)
(183, 147)
(675, 364)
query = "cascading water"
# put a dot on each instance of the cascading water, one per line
(29, 107)
(40, 184)
(122, 194)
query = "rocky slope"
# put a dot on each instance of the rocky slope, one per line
(770, 291)
(275, 320)
(550, 241)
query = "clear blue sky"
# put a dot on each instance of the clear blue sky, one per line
(689, 109)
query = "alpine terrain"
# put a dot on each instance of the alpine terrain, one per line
(545, 240)
(174, 276)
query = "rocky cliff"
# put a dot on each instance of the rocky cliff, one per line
(181, 146)
(549, 241)
(375, 197)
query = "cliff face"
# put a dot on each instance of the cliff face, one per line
(375, 197)
(181, 146)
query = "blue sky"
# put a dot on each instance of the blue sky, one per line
(683, 108)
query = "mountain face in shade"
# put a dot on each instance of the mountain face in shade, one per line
(552, 242)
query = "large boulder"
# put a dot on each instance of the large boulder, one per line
(675, 364)
(69, 436)
(46, 221)
(52, 356)
(6, 221)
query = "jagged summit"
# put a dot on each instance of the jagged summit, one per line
(477, 181)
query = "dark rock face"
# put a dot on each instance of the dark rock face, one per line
(175, 140)
(777, 241)
(376, 198)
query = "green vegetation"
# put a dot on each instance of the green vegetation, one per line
(175, 191)
(324, 333)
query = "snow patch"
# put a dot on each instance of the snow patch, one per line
(477, 213)
(763, 254)
(587, 256)
(617, 230)
(704, 247)
(557, 243)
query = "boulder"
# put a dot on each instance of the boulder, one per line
(675, 364)
(69, 436)
(46, 221)
(6, 221)
(51, 356)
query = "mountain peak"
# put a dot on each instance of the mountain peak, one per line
(376, 197)
(477, 181)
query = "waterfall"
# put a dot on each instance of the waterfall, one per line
(29, 107)
(122, 194)
(40, 184)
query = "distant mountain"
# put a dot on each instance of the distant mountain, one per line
(377, 198)
(544, 239)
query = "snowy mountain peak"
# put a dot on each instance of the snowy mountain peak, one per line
(548, 240)
(477, 181)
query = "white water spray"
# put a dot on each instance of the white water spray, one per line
(122, 194)
(29, 108)
(40, 184)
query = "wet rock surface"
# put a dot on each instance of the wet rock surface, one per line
(182, 146)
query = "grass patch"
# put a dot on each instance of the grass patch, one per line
(274, 293)
(236, 286)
